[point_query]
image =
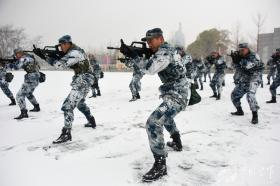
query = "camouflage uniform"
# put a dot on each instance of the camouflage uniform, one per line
(207, 70)
(271, 70)
(168, 64)
(219, 75)
(3, 83)
(187, 61)
(77, 60)
(31, 80)
(96, 73)
(249, 71)
(135, 84)
(199, 70)
(276, 81)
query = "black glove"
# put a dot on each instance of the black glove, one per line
(128, 52)
(39, 53)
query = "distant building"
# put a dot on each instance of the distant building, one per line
(178, 39)
(268, 43)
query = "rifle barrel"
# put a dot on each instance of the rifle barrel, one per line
(113, 48)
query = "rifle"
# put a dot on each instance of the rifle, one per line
(48, 51)
(141, 51)
(7, 60)
(235, 56)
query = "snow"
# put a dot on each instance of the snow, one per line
(219, 149)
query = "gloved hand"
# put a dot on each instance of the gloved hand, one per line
(39, 53)
(128, 52)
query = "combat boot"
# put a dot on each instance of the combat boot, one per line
(98, 93)
(137, 96)
(133, 99)
(91, 122)
(64, 137)
(218, 96)
(239, 112)
(176, 143)
(273, 100)
(13, 102)
(36, 108)
(93, 95)
(214, 95)
(157, 171)
(255, 117)
(201, 87)
(23, 114)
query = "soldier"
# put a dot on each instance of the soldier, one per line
(249, 70)
(276, 81)
(74, 58)
(97, 73)
(219, 75)
(4, 84)
(135, 84)
(31, 81)
(207, 70)
(271, 66)
(199, 70)
(168, 64)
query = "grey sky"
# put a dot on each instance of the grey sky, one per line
(94, 23)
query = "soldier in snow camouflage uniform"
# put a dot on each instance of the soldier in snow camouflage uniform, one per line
(31, 81)
(276, 81)
(219, 75)
(97, 73)
(75, 58)
(4, 84)
(199, 70)
(135, 84)
(207, 70)
(249, 68)
(271, 70)
(168, 64)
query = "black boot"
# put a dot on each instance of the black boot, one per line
(98, 93)
(218, 97)
(255, 119)
(36, 108)
(268, 83)
(23, 114)
(64, 137)
(13, 102)
(214, 95)
(176, 144)
(223, 83)
(273, 100)
(133, 99)
(91, 122)
(157, 171)
(201, 87)
(239, 112)
(93, 95)
(137, 95)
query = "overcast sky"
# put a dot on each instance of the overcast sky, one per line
(94, 23)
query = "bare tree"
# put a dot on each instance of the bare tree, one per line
(236, 32)
(10, 38)
(259, 21)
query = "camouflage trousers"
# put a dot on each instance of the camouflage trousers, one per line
(162, 116)
(217, 83)
(5, 88)
(275, 84)
(135, 84)
(249, 88)
(26, 91)
(199, 78)
(271, 74)
(207, 72)
(95, 86)
(76, 98)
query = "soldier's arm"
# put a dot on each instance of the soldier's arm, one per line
(158, 62)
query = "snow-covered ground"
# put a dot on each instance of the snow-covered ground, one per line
(218, 149)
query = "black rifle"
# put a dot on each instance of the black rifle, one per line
(141, 51)
(48, 51)
(235, 56)
(7, 60)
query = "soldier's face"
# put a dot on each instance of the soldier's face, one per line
(65, 47)
(19, 55)
(155, 43)
(243, 51)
